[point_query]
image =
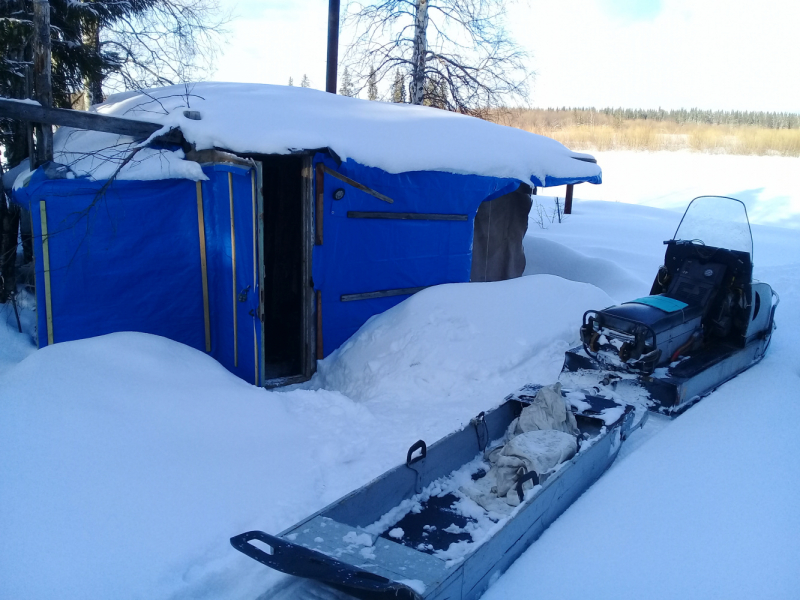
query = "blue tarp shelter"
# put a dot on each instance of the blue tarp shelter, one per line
(270, 263)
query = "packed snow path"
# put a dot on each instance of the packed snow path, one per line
(134, 459)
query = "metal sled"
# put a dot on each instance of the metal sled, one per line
(341, 546)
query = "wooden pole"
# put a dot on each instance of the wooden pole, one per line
(333, 45)
(568, 200)
(42, 68)
(79, 119)
(29, 125)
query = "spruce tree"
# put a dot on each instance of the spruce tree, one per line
(399, 87)
(372, 85)
(347, 89)
(304, 82)
(291, 81)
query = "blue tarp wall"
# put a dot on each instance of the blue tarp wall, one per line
(362, 255)
(130, 259)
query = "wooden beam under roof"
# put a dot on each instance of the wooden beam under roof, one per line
(79, 119)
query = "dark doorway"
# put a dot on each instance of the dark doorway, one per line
(283, 231)
(500, 226)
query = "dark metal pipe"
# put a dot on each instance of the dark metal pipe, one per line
(333, 45)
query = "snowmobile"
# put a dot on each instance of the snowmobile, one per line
(705, 321)
(449, 521)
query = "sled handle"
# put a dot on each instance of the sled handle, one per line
(529, 476)
(418, 445)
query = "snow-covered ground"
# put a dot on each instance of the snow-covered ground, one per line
(127, 461)
(768, 185)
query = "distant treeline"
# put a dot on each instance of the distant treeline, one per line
(767, 120)
(715, 131)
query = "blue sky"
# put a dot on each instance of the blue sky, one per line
(632, 10)
(719, 54)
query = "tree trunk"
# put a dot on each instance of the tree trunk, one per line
(420, 48)
(42, 68)
(94, 82)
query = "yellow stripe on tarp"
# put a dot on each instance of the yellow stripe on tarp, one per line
(201, 223)
(233, 265)
(46, 258)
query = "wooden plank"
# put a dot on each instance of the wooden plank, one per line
(382, 294)
(261, 268)
(355, 214)
(320, 181)
(568, 200)
(46, 258)
(355, 184)
(307, 294)
(233, 267)
(201, 224)
(79, 119)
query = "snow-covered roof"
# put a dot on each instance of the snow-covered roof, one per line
(271, 119)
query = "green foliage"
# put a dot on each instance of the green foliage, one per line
(346, 88)
(372, 85)
(399, 87)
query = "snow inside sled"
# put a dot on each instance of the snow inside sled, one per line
(434, 528)
(705, 321)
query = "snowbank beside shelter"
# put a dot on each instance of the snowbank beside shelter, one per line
(284, 222)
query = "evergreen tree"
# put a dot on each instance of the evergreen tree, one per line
(399, 87)
(347, 89)
(305, 82)
(291, 81)
(372, 85)
(103, 44)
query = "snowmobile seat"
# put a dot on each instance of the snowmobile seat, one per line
(697, 283)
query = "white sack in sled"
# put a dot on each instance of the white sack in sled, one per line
(544, 436)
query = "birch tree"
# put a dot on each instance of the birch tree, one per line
(461, 45)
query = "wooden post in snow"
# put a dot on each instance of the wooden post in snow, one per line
(333, 46)
(42, 68)
(568, 200)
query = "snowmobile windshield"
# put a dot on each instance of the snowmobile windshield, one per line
(717, 221)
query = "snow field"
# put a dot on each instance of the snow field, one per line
(139, 457)
(127, 461)
(768, 185)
